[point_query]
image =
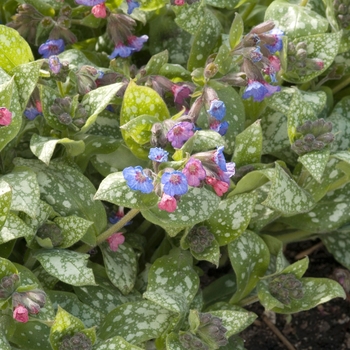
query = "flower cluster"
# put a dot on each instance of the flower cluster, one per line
(78, 340)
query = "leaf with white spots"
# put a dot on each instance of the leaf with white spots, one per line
(338, 244)
(231, 217)
(66, 324)
(204, 40)
(189, 17)
(173, 342)
(43, 147)
(67, 266)
(121, 266)
(295, 20)
(315, 163)
(73, 229)
(76, 58)
(46, 280)
(69, 192)
(156, 62)
(202, 140)
(249, 258)
(136, 322)
(5, 201)
(220, 290)
(171, 71)
(6, 268)
(223, 59)
(321, 46)
(114, 189)
(298, 268)
(226, 4)
(195, 206)
(26, 77)
(286, 196)
(32, 335)
(172, 281)
(137, 101)
(140, 127)
(115, 343)
(249, 145)
(14, 228)
(151, 5)
(236, 30)
(211, 253)
(14, 50)
(71, 303)
(4, 344)
(96, 101)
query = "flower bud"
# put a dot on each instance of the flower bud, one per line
(51, 231)
(65, 119)
(212, 332)
(343, 277)
(309, 138)
(326, 138)
(20, 314)
(78, 341)
(284, 287)
(66, 10)
(199, 238)
(8, 285)
(210, 70)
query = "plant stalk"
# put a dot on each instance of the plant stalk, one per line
(249, 300)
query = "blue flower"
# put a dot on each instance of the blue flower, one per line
(219, 158)
(31, 113)
(221, 128)
(54, 64)
(51, 47)
(89, 2)
(132, 5)
(175, 183)
(278, 44)
(259, 90)
(217, 109)
(158, 154)
(122, 51)
(256, 55)
(136, 43)
(137, 180)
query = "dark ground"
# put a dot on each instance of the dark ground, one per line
(324, 327)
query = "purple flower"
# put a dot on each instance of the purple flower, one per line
(122, 51)
(137, 180)
(136, 43)
(259, 90)
(194, 172)
(221, 128)
(278, 44)
(31, 113)
(89, 2)
(180, 133)
(158, 154)
(54, 64)
(181, 92)
(219, 158)
(230, 171)
(132, 5)
(175, 183)
(217, 109)
(51, 47)
(256, 55)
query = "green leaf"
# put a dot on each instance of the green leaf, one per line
(151, 5)
(277, 259)
(171, 71)
(67, 266)
(231, 217)
(324, 46)
(4, 344)
(7, 268)
(121, 266)
(70, 302)
(14, 228)
(66, 324)
(249, 258)
(249, 145)
(116, 343)
(137, 101)
(195, 206)
(286, 196)
(156, 62)
(73, 194)
(211, 254)
(202, 140)
(96, 101)
(294, 20)
(172, 280)
(236, 31)
(43, 147)
(338, 244)
(315, 163)
(5, 201)
(75, 58)
(226, 4)
(114, 189)
(14, 50)
(189, 17)
(204, 40)
(129, 321)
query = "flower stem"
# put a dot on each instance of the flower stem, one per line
(342, 84)
(60, 88)
(249, 300)
(303, 3)
(115, 228)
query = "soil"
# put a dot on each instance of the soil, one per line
(324, 327)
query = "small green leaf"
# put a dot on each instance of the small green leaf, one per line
(249, 145)
(156, 62)
(14, 228)
(121, 266)
(236, 31)
(7, 268)
(189, 17)
(14, 50)
(231, 217)
(249, 258)
(67, 266)
(171, 71)
(315, 163)
(136, 322)
(151, 5)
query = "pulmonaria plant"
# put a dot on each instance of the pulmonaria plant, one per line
(145, 143)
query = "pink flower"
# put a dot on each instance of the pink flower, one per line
(20, 314)
(167, 203)
(115, 241)
(5, 116)
(38, 106)
(194, 172)
(219, 187)
(99, 11)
